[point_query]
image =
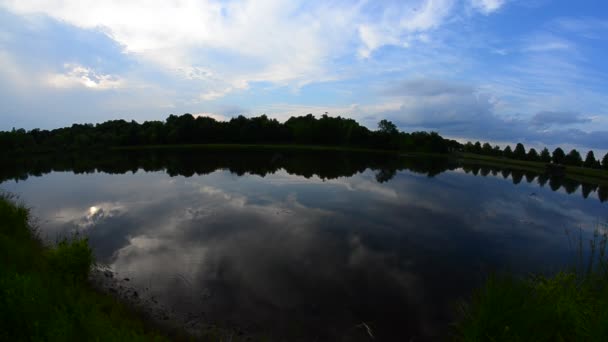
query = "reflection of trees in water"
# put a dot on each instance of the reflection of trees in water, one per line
(588, 188)
(325, 165)
(602, 193)
(543, 179)
(570, 186)
(530, 176)
(517, 176)
(384, 175)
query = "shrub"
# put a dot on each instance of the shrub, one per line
(72, 258)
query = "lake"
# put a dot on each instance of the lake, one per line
(308, 245)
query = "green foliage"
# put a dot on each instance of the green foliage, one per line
(387, 127)
(496, 152)
(533, 155)
(507, 153)
(569, 306)
(590, 161)
(44, 294)
(187, 129)
(573, 158)
(71, 258)
(558, 156)
(487, 149)
(477, 148)
(545, 156)
(520, 152)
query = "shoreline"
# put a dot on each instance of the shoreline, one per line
(581, 174)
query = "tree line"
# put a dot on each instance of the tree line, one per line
(188, 129)
(558, 156)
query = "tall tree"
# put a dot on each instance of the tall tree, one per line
(573, 158)
(605, 162)
(590, 161)
(496, 151)
(533, 155)
(545, 156)
(519, 152)
(507, 153)
(387, 127)
(477, 147)
(486, 149)
(558, 156)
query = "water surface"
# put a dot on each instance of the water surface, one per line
(305, 246)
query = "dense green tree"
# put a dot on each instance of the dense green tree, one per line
(545, 156)
(477, 147)
(605, 162)
(533, 155)
(590, 161)
(519, 152)
(387, 127)
(507, 153)
(496, 151)
(558, 156)
(573, 158)
(486, 149)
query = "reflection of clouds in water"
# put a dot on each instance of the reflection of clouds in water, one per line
(286, 250)
(256, 263)
(361, 182)
(537, 209)
(84, 218)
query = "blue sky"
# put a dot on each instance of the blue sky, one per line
(498, 70)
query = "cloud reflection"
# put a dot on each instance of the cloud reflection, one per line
(295, 255)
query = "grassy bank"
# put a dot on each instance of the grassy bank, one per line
(569, 306)
(580, 174)
(44, 292)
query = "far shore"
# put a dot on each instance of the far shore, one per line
(580, 174)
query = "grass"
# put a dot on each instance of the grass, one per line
(44, 291)
(569, 306)
(581, 174)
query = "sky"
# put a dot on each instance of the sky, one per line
(504, 71)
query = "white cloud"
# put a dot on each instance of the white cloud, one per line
(79, 76)
(231, 44)
(487, 6)
(547, 45)
(273, 39)
(399, 25)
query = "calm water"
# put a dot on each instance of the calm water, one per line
(308, 245)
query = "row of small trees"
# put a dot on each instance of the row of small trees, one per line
(573, 158)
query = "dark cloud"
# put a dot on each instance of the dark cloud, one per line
(549, 118)
(463, 111)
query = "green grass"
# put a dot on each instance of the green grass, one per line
(569, 306)
(44, 293)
